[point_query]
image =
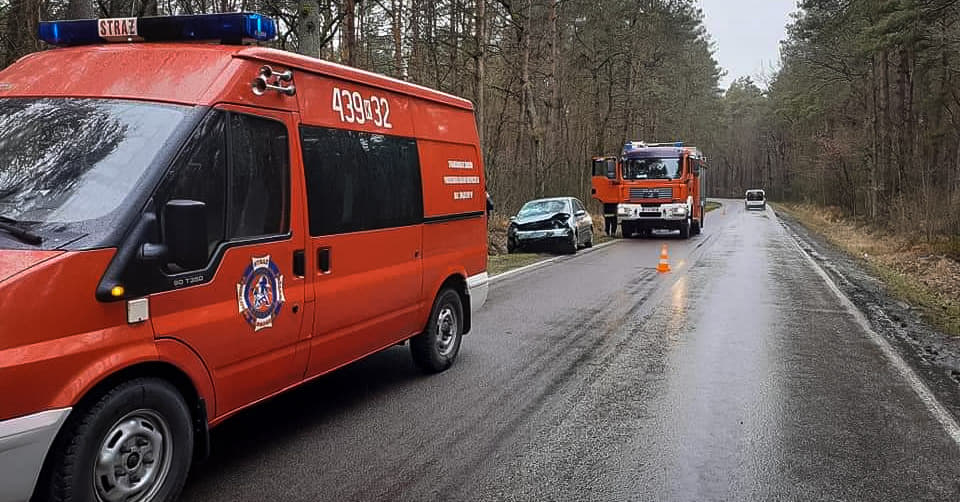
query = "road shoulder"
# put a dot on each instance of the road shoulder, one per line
(935, 356)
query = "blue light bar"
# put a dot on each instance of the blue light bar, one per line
(678, 144)
(232, 28)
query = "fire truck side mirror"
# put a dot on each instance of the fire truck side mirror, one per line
(611, 168)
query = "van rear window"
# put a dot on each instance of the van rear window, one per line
(360, 181)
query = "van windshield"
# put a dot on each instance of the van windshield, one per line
(71, 160)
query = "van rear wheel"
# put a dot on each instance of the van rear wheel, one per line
(133, 444)
(437, 347)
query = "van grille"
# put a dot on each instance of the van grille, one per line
(651, 193)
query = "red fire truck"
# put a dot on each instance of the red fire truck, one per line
(651, 186)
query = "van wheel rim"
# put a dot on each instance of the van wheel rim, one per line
(134, 458)
(447, 330)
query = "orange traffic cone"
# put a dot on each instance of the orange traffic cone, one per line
(664, 265)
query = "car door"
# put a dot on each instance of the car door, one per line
(365, 202)
(583, 220)
(239, 314)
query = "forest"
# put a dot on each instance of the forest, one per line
(861, 114)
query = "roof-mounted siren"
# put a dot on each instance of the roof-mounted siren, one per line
(230, 28)
(270, 80)
(630, 146)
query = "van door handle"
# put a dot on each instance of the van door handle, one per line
(323, 260)
(299, 263)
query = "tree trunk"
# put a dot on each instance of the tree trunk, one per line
(350, 32)
(308, 28)
(480, 39)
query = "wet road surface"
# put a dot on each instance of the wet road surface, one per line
(738, 376)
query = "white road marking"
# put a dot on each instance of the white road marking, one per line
(940, 413)
(547, 261)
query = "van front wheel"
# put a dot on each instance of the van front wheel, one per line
(134, 444)
(437, 347)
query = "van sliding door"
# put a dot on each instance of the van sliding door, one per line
(365, 203)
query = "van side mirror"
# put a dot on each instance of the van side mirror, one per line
(185, 233)
(184, 236)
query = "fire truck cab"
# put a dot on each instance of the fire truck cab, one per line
(187, 229)
(652, 186)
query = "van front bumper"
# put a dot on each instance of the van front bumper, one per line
(24, 442)
(663, 212)
(477, 287)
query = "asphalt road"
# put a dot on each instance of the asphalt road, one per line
(738, 376)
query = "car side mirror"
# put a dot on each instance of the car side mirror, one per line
(579, 213)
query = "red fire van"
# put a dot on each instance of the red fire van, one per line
(188, 229)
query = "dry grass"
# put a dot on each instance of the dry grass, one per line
(711, 205)
(924, 274)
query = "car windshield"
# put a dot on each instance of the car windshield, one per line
(72, 160)
(647, 169)
(754, 195)
(543, 207)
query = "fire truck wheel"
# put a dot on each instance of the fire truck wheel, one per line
(437, 347)
(685, 229)
(135, 443)
(696, 227)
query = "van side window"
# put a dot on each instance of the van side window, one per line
(200, 173)
(259, 177)
(360, 181)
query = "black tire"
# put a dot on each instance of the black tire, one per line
(627, 229)
(431, 350)
(703, 218)
(685, 229)
(512, 246)
(589, 243)
(145, 402)
(573, 245)
(696, 227)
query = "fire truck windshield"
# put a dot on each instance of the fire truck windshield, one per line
(651, 169)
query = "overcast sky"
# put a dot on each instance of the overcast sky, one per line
(746, 34)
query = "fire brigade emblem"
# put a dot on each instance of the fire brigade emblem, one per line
(260, 293)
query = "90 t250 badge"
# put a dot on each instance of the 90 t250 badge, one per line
(260, 293)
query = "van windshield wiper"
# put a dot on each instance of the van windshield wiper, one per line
(15, 228)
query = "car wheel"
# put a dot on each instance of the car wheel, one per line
(437, 347)
(135, 443)
(589, 243)
(574, 244)
(512, 246)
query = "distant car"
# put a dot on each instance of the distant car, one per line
(755, 199)
(561, 221)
